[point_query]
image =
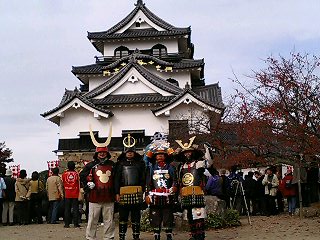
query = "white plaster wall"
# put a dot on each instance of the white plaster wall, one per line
(182, 76)
(123, 87)
(78, 120)
(96, 81)
(143, 25)
(133, 88)
(171, 45)
(146, 20)
(125, 118)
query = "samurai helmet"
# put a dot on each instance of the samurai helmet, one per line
(129, 142)
(187, 146)
(101, 147)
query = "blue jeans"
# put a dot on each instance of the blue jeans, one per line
(291, 204)
(54, 207)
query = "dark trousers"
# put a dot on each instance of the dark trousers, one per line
(22, 212)
(280, 202)
(252, 204)
(35, 206)
(71, 208)
(161, 216)
(270, 203)
(124, 211)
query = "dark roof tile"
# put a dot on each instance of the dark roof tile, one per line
(154, 18)
(132, 99)
(68, 96)
(152, 78)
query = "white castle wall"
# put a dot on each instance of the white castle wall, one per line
(171, 45)
(182, 76)
(125, 118)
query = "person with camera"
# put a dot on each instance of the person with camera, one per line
(271, 184)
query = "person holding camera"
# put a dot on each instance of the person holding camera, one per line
(271, 183)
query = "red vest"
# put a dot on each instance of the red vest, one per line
(103, 180)
(71, 184)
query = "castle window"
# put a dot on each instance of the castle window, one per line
(121, 52)
(159, 50)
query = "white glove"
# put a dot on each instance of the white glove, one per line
(91, 185)
(171, 190)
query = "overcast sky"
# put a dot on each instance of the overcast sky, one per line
(41, 40)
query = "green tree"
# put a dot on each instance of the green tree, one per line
(5, 157)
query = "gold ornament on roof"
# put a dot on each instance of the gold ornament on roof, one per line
(107, 72)
(129, 141)
(168, 69)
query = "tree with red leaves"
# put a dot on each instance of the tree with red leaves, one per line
(280, 114)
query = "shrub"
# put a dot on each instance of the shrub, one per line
(214, 221)
(145, 222)
(231, 218)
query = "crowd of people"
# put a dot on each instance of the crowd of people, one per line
(28, 200)
(163, 180)
(264, 193)
(130, 182)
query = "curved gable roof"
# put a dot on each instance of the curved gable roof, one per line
(139, 6)
(187, 91)
(69, 96)
(152, 78)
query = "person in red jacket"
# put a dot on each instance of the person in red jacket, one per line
(289, 191)
(71, 183)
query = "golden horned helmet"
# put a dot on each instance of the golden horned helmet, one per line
(186, 146)
(101, 147)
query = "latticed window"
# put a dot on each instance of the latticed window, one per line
(121, 52)
(159, 50)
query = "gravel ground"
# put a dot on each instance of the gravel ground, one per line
(276, 227)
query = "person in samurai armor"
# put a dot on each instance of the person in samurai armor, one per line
(129, 181)
(97, 179)
(161, 190)
(191, 181)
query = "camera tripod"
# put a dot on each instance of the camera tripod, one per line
(239, 187)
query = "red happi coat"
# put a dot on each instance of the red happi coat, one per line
(71, 183)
